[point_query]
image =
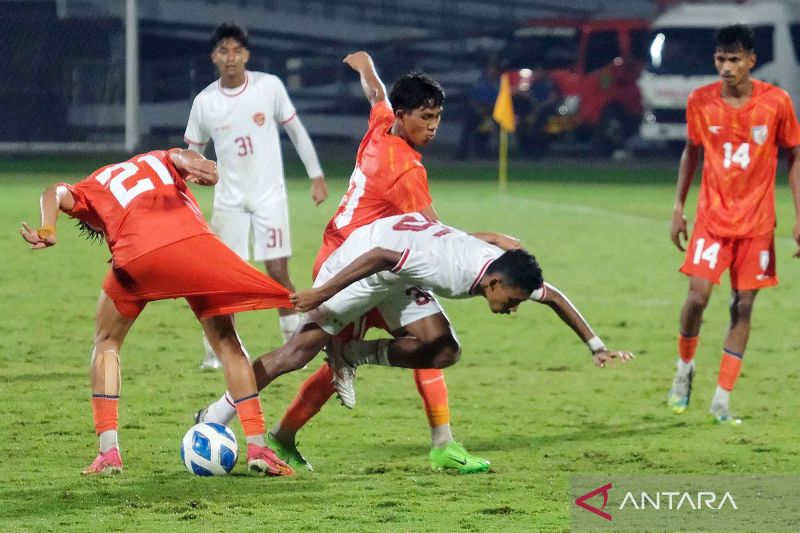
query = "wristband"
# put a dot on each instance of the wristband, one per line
(46, 231)
(595, 344)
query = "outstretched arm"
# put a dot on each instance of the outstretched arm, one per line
(194, 167)
(689, 160)
(564, 308)
(54, 199)
(371, 262)
(371, 84)
(502, 241)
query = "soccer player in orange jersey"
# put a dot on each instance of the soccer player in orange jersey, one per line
(389, 179)
(738, 123)
(161, 247)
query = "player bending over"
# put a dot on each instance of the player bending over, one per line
(161, 247)
(390, 264)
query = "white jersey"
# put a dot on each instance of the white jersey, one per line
(243, 122)
(435, 257)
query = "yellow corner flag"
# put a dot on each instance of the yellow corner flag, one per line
(503, 112)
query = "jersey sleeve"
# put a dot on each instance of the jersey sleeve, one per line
(410, 192)
(284, 109)
(82, 209)
(692, 119)
(417, 266)
(196, 133)
(788, 134)
(381, 112)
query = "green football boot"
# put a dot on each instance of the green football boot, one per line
(455, 457)
(681, 390)
(289, 454)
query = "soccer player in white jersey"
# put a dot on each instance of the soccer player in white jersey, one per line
(241, 113)
(380, 265)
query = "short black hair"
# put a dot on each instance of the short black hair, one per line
(735, 37)
(519, 268)
(229, 30)
(416, 90)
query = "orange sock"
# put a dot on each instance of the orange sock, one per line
(104, 412)
(687, 346)
(433, 389)
(313, 394)
(729, 369)
(250, 415)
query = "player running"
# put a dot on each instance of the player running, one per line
(380, 265)
(161, 247)
(738, 124)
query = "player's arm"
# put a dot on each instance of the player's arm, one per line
(690, 158)
(569, 314)
(371, 84)
(194, 167)
(54, 199)
(794, 182)
(369, 263)
(305, 149)
(502, 241)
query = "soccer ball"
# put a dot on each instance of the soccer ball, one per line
(209, 449)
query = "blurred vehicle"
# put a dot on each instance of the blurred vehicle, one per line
(593, 64)
(681, 59)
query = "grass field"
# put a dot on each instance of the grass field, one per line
(524, 395)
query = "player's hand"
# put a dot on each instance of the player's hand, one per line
(678, 229)
(604, 358)
(37, 242)
(201, 171)
(507, 242)
(358, 61)
(305, 301)
(796, 236)
(319, 190)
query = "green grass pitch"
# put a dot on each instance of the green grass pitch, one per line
(524, 395)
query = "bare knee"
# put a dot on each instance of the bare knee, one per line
(697, 301)
(742, 306)
(448, 352)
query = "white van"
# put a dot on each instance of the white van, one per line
(682, 50)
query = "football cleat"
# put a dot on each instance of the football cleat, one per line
(681, 391)
(344, 374)
(455, 457)
(262, 460)
(289, 454)
(106, 463)
(721, 415)
(200, 416)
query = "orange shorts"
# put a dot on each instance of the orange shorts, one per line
(212, 278)
(751, 260)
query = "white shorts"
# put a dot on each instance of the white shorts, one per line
(398, 303)
(270, 227)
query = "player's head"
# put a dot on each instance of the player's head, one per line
(734, 56)
(418, 102)
(230, 49)
(510, 280)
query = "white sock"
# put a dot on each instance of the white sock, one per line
(721, 397)
(685, 368)
(222, 411)
(258, 440)
(289, 324)
(108, 440)
(441, 436)
(367, 352)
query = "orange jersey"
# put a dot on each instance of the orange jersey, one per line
(389, 179)
(737, 192)
(139, 205)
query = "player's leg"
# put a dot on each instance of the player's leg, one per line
(233, 228)
(688, 335)
(741, 310)
(110, 330)
(241, 382)
(272, 244)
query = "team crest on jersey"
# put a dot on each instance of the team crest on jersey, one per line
(258, 118)
(759, 133)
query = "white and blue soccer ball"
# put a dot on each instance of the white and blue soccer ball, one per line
(209, 449)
